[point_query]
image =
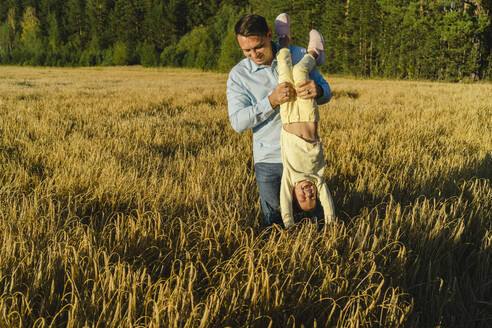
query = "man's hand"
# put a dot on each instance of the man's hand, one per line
(308, 89)
(283, 93)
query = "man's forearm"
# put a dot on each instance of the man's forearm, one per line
(243, 117)
(244, 112)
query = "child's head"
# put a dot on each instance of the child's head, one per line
(305, 193)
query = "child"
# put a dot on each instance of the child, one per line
(302, 156)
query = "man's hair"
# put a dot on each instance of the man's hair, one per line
(251, 24)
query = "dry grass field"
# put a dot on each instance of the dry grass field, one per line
(127, 200)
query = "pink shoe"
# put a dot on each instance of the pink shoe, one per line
(317, 44)
(282, 26)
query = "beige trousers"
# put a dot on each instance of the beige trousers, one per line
(299, 110)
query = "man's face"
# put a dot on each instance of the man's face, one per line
(257, 48)
(305, 193)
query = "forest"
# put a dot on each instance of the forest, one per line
(406, 39)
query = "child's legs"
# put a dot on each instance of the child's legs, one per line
(303, 68)
(284, 66)
(308, 108)
(288, 111)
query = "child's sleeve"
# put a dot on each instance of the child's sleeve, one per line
(286, 201)
(327, 203)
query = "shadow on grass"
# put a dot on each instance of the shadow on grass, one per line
(447, 233)
(449, 266)
(350, 202)
(336, 94)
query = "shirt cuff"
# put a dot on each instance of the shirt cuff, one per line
(265, 108)
(326, 95)
(288, 221)
(329, 219)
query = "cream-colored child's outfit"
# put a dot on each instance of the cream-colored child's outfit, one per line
(302, 160)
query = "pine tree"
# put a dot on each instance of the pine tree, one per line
(229, 53)
(125, 20)
(390, 37)
(54, 39)
(481, 14)
(76, 29)
(7, 36)
(5, 42)
(330, 23)
(155, 26)
(31, 38)
(121, 54)
(77, 25)
(98, 20)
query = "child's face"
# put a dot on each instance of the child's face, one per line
(305, 193)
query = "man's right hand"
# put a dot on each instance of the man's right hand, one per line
(283, 93)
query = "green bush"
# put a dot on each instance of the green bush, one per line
(121, 55)
(90, 57)
(107, 57)
(147, 54)
(230, 53)
(198, 49)
(171, 57)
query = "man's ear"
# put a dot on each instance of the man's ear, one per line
(269, 35)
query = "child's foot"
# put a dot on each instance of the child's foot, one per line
(316, 46)
(282, 30)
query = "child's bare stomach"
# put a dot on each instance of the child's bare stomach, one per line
(305, 130)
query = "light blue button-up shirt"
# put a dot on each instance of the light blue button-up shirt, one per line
(248, 88)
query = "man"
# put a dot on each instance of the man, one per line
(254, 97)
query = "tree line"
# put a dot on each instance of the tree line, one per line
(416, 39)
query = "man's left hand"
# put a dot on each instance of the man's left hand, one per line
(308, 90)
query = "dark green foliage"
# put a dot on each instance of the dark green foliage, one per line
(5, 40)
(98, 14)
(230, 53)
(90, 57)
(226, 47)
(416, 39)
(147, 54)
(197, 48)
(170, 56)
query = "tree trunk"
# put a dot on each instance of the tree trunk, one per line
(345, 35)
